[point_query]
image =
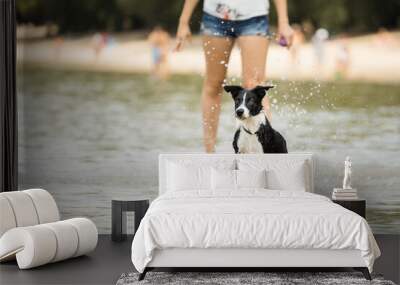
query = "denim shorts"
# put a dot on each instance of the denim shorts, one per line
(214, 26)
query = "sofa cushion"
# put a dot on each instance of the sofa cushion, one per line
(67, 239)
(46, 207)
(7, 220)
(23, 208)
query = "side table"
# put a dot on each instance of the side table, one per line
(357, 206)
(118, 215)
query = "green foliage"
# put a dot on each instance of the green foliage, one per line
(347, 16)
(30, 10)
(338, 16)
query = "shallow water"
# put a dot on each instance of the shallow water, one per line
(88, 137)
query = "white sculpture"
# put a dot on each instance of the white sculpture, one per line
(347, 173)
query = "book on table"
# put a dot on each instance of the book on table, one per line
(344, 194)
(340, 190)
(334, 197)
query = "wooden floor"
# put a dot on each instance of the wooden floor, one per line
(110, 260)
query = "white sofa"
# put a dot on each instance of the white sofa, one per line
(31, 230)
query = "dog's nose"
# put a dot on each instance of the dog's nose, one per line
(239, 112)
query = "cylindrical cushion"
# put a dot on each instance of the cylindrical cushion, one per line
(45, 205)
(67, 240)
(87, 234)
(33, 246)
(23, 208)
(7, 218)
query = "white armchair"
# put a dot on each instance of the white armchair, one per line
(31, 230)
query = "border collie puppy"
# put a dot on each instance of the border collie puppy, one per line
(254, 133)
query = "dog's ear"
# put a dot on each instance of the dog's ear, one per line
(233, 89)
(261, 90)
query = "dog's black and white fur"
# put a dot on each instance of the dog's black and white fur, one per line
(254, 132)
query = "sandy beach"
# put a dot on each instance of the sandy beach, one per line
(368, 59)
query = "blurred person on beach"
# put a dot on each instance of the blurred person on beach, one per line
(318, 42)
(99, 41)
(225, 22)
(342, 58)
(298, 41)
(308, 29)
(384, 39)
(58, 44)
(159, 40)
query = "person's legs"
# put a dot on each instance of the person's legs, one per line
(254, 50)
(163, 71)
(217, 51)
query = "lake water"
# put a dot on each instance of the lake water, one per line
(87, 137)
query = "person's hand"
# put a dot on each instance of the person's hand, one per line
(285, 32)
(182, 35)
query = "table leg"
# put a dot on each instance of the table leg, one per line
(118, 227)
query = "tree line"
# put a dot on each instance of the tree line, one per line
(82, 16)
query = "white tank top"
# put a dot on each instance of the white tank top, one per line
(236, 9)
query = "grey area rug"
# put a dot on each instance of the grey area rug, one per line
(233, 278)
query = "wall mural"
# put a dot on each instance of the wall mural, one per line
(96, 108)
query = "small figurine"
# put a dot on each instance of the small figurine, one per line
(347, 173)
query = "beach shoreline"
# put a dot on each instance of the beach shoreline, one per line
(130, 53)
